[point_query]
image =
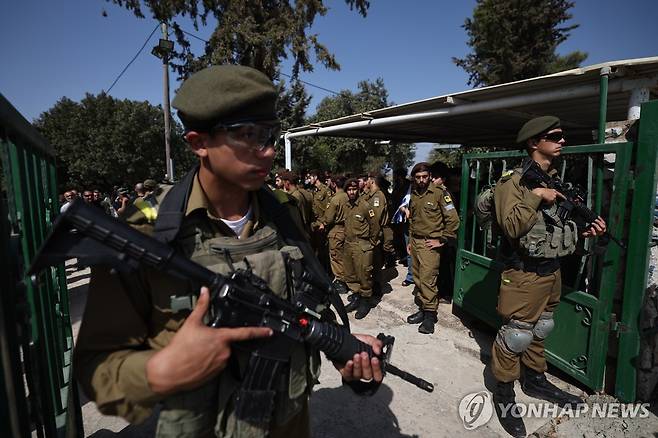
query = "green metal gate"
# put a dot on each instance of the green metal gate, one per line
(597, 318)
(38, 395)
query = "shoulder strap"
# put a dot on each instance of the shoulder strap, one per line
(293, 236)
(172, 208)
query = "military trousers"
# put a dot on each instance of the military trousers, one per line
(357, 262)
(336, 238)
(389, 247)
(523, 297)
(425, 270)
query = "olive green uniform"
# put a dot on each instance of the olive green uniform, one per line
(530, 284)
(377, 201)
(305, 210)
(129, 317)
(321, 198)
(360, 237)
(334, 221)
(433, 216)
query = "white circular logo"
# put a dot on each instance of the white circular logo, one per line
(475, 409)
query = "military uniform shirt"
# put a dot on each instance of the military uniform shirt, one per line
(335, 212)
(359, 224)
(433, 214)
(516, 207)
(378, 207)
(321, 198)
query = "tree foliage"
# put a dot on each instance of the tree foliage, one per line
(256, 33)
(346, 154)
(516, 39)
(102, 141)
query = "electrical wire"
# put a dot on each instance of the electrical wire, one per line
(134, 57)
(283, 74)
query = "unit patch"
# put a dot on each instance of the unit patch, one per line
(448, 199)
(371, 213)
(376, 202)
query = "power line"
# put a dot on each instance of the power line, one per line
(284, 74)
(134, 57)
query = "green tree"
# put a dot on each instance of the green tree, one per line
(347, 154)
(516, 39)
(257, 33)
(102, 141)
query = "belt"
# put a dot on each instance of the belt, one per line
(541, 267)
(417, 236)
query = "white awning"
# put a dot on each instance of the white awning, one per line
(492, 116)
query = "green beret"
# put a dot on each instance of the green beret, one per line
(225, 94)
(536, 126)
(150, 184)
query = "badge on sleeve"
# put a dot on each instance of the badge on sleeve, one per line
(376, 202)
(371, 213)
(448, 199)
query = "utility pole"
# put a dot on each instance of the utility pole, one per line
(167, 111)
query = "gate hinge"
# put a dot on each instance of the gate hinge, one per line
(616, 326)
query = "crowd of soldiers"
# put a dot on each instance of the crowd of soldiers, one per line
(358, 226)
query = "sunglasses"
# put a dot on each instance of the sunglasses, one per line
(256, 136)
(554, 137)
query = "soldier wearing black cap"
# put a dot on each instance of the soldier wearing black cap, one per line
(530, 284)
(143, 340)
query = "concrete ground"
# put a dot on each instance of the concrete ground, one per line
(454, 359)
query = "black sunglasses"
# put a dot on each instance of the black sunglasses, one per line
(555, 137)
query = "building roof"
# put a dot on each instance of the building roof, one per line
(492, 115)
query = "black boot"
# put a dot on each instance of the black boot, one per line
(427, 326)
(536, 385)
(504, 396)
(416, 318)
(365, 304)
(340, 287)
(353, 304)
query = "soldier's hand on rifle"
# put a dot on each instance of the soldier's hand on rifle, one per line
(360, 367)
(548, 196)
(196, 353)
(597, 228)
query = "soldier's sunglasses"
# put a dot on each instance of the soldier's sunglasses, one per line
(554, 137)
(257, 136)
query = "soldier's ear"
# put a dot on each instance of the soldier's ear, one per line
(197, 142)
(531, 144)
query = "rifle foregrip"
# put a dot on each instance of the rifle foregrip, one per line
(337, 343)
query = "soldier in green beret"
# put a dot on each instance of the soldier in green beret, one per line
(143, 340)
(530, 284)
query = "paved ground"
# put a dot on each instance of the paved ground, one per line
(453, 359)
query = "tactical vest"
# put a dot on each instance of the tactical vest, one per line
(211, 410)
(549, 238)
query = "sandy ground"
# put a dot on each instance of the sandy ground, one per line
(454, 359)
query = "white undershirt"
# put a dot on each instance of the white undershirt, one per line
(238, 225)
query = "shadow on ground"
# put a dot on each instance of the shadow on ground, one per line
(336, 412)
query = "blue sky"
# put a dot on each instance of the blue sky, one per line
(67, 48)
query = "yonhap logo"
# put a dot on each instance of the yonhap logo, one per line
(476, 409)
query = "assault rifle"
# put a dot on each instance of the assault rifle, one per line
(241, 299)
(573, 207)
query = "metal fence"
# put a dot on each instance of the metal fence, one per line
(36, 341)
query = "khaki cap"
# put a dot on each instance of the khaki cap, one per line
(536, 126)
